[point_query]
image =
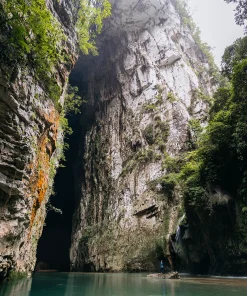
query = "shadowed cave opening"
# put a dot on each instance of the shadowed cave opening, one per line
(54, 244)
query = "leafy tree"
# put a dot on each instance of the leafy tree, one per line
(220, 100)
(90, 23)
(222, 154)
(213, 178)
(72, 105)
(31, 31)
(233, 54)
(241, 11)
(31, 36)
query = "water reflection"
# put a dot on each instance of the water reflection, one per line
(64, 284)
(19, 287)
(109, 284)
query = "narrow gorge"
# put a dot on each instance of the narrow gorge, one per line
(149, 93)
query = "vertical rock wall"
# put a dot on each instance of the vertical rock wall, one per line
(30, 140)
(150, 80)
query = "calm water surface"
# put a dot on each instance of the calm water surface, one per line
(74, 284)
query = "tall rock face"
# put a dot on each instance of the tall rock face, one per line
(214, 240)
(29, 148)
(149, 87)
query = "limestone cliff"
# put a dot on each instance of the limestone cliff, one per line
(150, 81)
(29, 148)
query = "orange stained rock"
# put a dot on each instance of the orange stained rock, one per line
(39, 180)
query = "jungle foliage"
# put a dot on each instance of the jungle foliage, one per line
(233, 54)
(213, 178)
(30, 36)
(221, 159)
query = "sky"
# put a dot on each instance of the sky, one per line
(215, 18)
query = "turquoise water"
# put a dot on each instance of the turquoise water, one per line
(65, 284)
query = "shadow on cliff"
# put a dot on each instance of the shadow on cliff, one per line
(55, 242)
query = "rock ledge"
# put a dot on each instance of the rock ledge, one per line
(170, 275)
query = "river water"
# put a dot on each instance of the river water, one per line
(79, 284)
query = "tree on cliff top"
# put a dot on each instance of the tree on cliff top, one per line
(233, 54)
(240, 12)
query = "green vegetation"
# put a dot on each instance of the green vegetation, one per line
(30, 36)
(90, 23)
(221, 157)
(218, 168)
(167, 182)
(50, 207)
(140, 158)
(171, 179)
(171, 98)
(233, 54)
(240, 12)
(182, 8)
(16, 275)
(143, 156)
(72, 104)
(211, 174)
(159, 95)
(149, 134)
(174, 164)
(156, 135)
(199, 95)
(149, 107)
(194, 132)
(128, 168)
(221, 150)
(73, 101)
(162, 130)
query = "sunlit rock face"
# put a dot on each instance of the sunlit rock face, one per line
(144, 88)
(29, 136)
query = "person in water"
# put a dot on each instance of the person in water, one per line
(162, 269)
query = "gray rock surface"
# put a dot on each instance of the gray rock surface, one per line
(144, 87)
(148, 82)
(169, 276)
(29, 133)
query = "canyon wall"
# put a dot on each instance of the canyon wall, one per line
(149, 86)
(30, 143)
(149, 93)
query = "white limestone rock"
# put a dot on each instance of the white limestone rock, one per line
(146, 75)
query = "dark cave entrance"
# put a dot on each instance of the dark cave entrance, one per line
(54, 244)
